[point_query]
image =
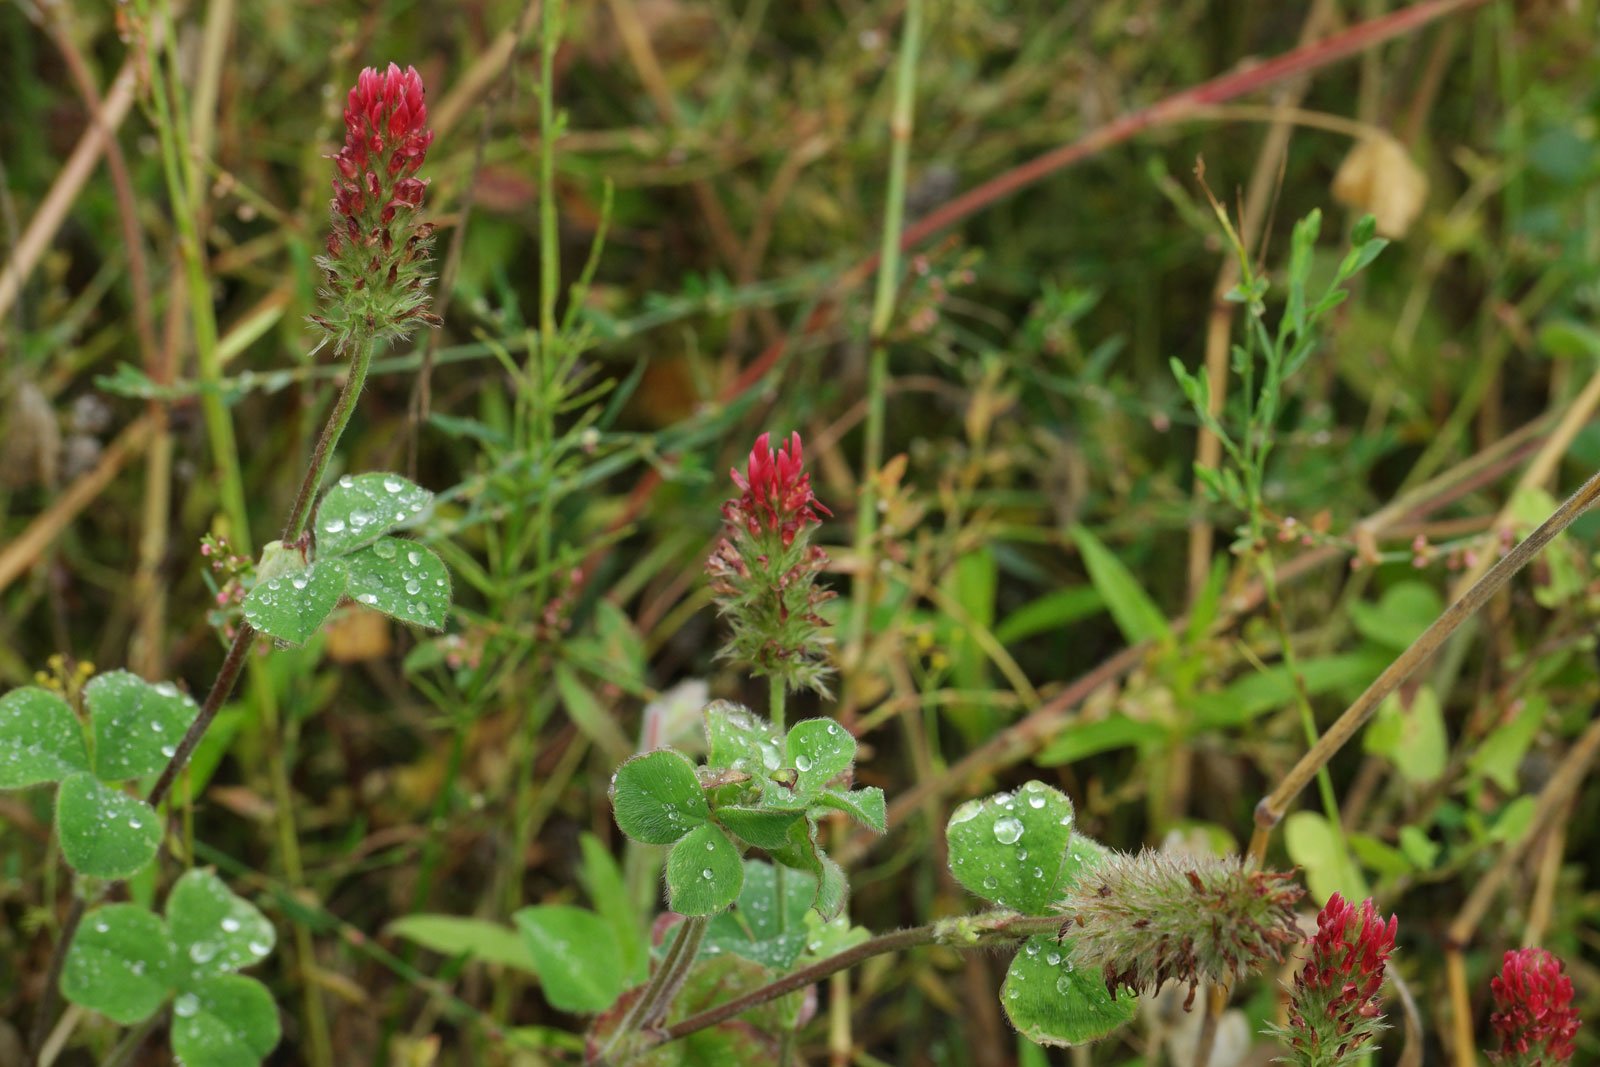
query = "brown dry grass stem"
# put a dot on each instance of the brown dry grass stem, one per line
(1273, 807)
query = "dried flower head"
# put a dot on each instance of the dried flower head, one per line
(1334, 1008)
(763, 571)
(1148, 919)
(377, 250)
(1534, 1020)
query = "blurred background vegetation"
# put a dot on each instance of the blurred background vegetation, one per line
(725, 163)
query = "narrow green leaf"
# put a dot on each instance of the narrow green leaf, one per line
(1052, 1003)
(137, 725)
(761, 827)
(594, 721)
(225, 1021)
(403, 579)
(363, 507)
(1105, 735)
(120, 963)
(293, 606)
(214, 931)
(865, 806)
(704, 872)
(479, 939)
(40, 739)
(575, 955)
(104, 833)
(819, 750)
(657, 798)
(1053, 611)
(1012, 848)
(608, 891)
(1136, 615)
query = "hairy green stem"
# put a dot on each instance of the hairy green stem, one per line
(656, 999)
(989, 932)
(883, 302)
(332, 430)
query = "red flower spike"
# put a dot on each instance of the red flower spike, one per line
(1334, 1008)
(376, 204)
(777, 491)
(763, 573)
(1534, 1019)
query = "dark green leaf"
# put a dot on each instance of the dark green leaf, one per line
(704, 872)
(224, 1021)
(120, 963)
(402, 579)
(1052, 1003)
(104, 833)
(292, 607)
(40, 739)
(137, 725)
(364, 507)
(657, 798)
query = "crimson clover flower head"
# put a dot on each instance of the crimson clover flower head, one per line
(777, 491)
(763, 572)
(377, 249)
(1335, 1008)
(1534, 1020)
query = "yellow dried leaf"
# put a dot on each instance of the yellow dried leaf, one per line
(1378, 177)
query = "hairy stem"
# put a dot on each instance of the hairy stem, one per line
(338, 419)
(656, 999)
(993, 930)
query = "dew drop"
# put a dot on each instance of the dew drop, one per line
(186, 1005)
(802, 763)
(706, 873)
(333, 526)
(231, 925)
(347, 482)
(1007, 831)
(384, 550)
(393, 485)
(414, 558)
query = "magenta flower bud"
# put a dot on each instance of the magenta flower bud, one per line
(1334, 1008)
(1534, 1020)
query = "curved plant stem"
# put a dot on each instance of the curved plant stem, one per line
(133, 1041)
(656, 999)
(1011, 928)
